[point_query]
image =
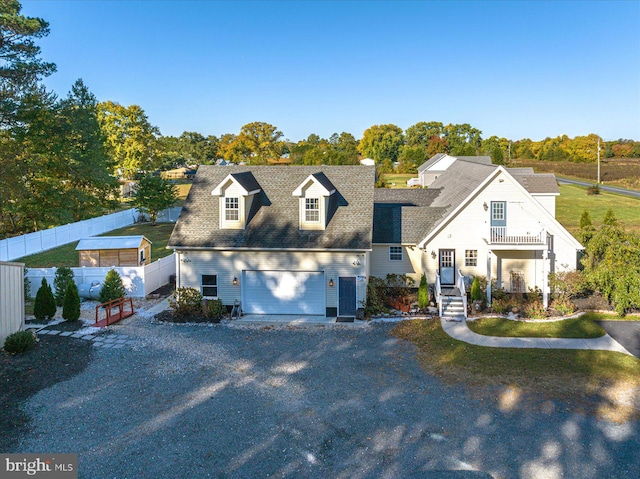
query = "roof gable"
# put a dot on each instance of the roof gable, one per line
(245, 180)
(274, 216)
(319, 179)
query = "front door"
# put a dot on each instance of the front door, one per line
(347, 296)
(447, 267)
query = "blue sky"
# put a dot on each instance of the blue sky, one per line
(513, 69)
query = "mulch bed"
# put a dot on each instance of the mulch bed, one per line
(54, 359)
(169, 317)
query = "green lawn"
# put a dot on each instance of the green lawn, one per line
(397, 180)
(573, 200)
(582, 327)
(67, 255)
(586, 379)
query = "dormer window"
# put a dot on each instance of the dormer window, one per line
(237, 193)
(232, 209)
(312, 210)
(314, 193)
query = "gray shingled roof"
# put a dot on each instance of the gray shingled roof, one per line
(525, 170)
(404, 215)
(539, 183)
(246, 180)
(430, 162)
(273, 222)
(409, 215)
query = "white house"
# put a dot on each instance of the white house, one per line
(431, 169)
(292, 240)
(474, 219)
(305, 239)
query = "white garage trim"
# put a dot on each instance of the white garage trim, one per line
(283, 292)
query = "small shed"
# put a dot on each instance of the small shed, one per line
(106, 251)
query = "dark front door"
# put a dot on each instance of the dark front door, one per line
(347, 296)
(447, 267)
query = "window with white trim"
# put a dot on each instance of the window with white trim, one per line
(209, 285)
(395, 253)
(471, 257)
(312, 210)
(497, 210)
(232, 209)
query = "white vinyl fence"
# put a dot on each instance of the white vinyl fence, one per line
(32, 243)
(139, 281)
(11, 299)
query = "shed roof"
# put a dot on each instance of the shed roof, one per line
(110, 242)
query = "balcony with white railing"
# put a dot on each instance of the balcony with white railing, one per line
(503, 235)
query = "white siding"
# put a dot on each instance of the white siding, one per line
(230, 264)
(470, 230)
(411, 264)
(11, 299)
(548, 202)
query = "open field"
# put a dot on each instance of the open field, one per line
(397, 180)
(67, 255)
(573, 200)
(618, 172)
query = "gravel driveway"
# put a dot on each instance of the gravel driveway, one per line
(214, 401)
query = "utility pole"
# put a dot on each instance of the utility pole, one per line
(598, 160)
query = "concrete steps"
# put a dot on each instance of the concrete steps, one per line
(453, 308)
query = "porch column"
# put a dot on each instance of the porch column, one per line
(545, 279)
(489, 278)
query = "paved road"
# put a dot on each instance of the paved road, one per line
(198, 401)
(626, 333)
(612, 189)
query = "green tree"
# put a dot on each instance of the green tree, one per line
(154, 194)
(44, 305)
(20, 66)
(423, 132)
(112, 287)
(61, 279)
(463, 139)
(411, 158)
(130, 138)
(71, 303)
(256, 143)
(586, 228)
(612, 264)
(382, 143)
(423, 292)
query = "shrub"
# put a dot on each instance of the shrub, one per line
(563, 306)
(60, 281)
(500, 306)
(188, 301)
(71, 305)
(376, 291)
(423, 292)
(112, 287)
(19, 342)
(535, 310)
(593, 190)
(215, 309)
(27, 285)
(45, 303)
(568, 284)
(476, 292)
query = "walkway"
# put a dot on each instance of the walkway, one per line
(459, 330)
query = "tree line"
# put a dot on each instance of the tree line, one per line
(61, 158)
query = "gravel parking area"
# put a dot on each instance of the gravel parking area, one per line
(216, 401)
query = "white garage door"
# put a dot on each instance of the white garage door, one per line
(283, 292)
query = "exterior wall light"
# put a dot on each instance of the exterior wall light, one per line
(331, 283)
(433, 254)
(485, 206)
(235, 281)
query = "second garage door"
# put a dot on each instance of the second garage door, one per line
(283, 292)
